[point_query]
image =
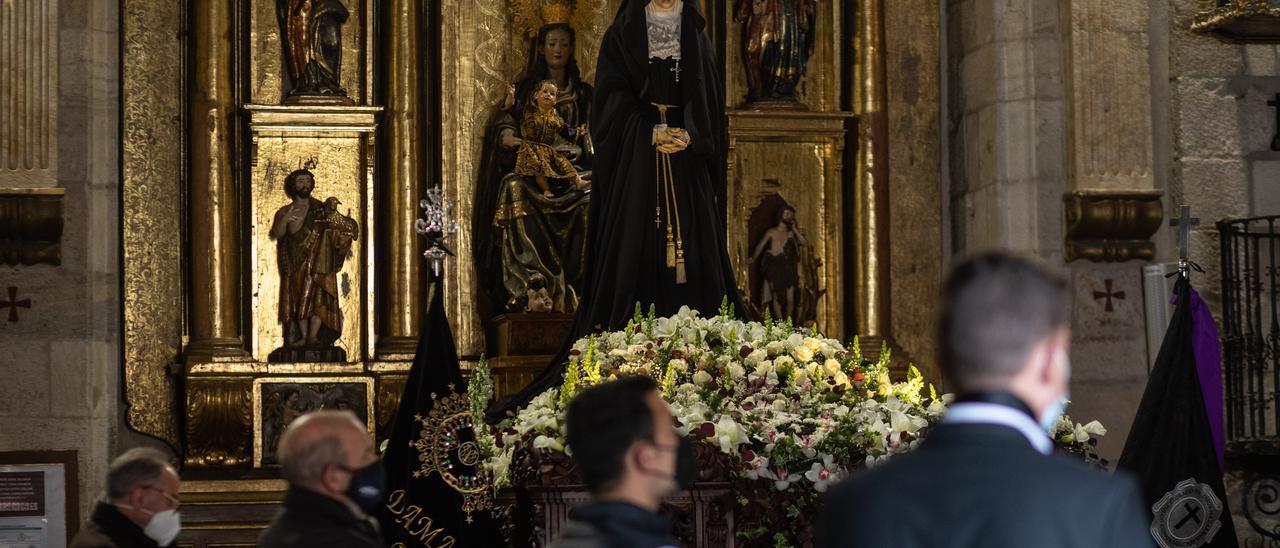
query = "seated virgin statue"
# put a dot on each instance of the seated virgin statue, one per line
(530, 241)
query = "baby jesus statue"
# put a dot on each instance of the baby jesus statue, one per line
(539, 126)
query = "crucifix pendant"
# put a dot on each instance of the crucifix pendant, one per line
(676, 69)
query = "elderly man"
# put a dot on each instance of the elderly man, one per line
(987, 476)
(630, 456)
(141, 506)
(335, 482)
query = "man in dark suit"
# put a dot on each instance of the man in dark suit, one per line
(987, 476)
(335, 482)
(140, 509)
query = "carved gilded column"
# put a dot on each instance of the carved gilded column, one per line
(402, 279)
(214, 214)
(870, 168)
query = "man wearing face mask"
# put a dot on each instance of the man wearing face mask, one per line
(988, 476)
(335, 483)
(141, 506)
(627, 451)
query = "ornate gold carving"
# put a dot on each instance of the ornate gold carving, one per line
(1242, 20)
(286, 137)
(387, 402)
(763, 148)
(530, 15)
(267, 65)
(218, 422)
(446, 446)
(29, 96)
(1112, 226)
(320, 385)
(152, 90)
(30, 226)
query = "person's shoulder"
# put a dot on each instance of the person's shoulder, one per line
(90, 536)
(578, 534)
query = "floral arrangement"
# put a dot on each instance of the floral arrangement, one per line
(791, 410)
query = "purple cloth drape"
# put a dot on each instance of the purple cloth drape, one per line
(1204, 341)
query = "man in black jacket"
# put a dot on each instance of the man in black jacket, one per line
(335, 482)
(629, 455)
(987, 476)
(141, 506)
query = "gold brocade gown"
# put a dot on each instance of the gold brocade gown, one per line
(536, 155)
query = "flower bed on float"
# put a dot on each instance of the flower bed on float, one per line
(779, 413)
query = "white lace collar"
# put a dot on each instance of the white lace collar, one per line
(664, 30)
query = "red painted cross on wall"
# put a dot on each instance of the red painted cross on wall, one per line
(1108, 295)
(13, 303)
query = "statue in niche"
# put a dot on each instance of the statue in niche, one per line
(530, 242)
(311, 32)
(777, 38)
(313, 240)
(783, 265)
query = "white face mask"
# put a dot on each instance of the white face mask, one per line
(163, 527)
(1049, 419)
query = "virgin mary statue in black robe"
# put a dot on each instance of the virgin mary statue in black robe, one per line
(627, 252)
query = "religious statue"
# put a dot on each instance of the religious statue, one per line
(313, 240)
(777, 38)
(657, 121)
(311, 32)
(780, 251)
(783, 265)
(530, 239)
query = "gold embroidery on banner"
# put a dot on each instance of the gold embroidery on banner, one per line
(446, 446)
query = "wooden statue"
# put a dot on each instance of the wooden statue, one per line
(311, 33)
(313, 241)
(777, 38)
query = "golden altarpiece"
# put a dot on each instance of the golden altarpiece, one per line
(248, 126)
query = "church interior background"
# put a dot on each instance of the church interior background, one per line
(145, 148)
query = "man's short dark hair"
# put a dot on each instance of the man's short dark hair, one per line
(602, 422)
(995, 308)
(136, 467)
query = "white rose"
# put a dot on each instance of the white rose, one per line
(756, 356)
(736, 371)
(803, 353)
(701, 378)
(783, 361)
(776, 347)
(679, 365)
(831, 367)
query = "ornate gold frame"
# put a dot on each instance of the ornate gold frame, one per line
(371, 419)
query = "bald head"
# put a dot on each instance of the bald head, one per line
(319, 441)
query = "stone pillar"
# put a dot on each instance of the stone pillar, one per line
(213, 218)
(402, 281)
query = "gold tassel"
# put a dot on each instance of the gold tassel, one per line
(680, 275)
(671, 249)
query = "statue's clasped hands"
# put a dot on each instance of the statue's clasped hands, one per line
(673, 140)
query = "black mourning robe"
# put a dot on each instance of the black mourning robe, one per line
(626, 249)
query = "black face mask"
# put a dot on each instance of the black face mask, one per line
(686, 465)
(368, 488)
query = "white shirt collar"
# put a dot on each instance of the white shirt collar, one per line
(990, 413)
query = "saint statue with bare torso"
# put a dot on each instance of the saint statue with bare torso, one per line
(313, 240)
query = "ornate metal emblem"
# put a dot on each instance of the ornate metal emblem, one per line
(1186, 516)
(436, 224)
(447, 446)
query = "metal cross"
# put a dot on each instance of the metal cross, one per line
(1108, 295)
(1275, 140)
(676, 69)
(1184, 222)
(13, 303)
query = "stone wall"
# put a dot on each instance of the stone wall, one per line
(1010, 108)
(60, 388)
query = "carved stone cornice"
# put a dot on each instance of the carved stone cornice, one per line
(31, 226)
(1111, 225)
(1240, 20)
